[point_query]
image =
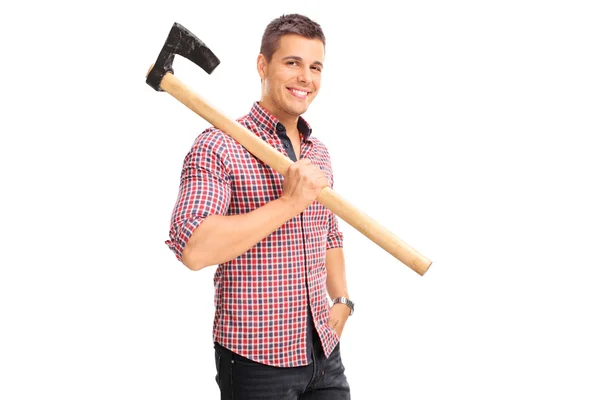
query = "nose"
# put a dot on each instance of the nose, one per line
(305, 76)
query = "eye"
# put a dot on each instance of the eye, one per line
(317, 68)
(292, 63)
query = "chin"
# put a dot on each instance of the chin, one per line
(298, 113)
(298, 110)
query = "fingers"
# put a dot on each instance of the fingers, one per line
(337, 320)
(337, 326)
(303, 181)
(313, 172)
(306, 171)
(304, 165)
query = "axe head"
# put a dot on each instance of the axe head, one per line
(185, 43)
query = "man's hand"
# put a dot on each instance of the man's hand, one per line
(338, 315)
(303, 182)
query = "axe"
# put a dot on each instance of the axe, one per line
(161, 78)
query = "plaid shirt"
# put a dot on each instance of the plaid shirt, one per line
(261, 296)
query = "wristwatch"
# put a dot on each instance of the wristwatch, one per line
(345, 301)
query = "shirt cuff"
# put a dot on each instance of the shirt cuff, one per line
(336, 240)
(179, 238)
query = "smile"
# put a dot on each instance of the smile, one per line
(299, 93)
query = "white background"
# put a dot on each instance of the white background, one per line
(467, 128)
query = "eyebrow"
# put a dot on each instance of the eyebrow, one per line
(296, 58)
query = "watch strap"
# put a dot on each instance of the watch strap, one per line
(346, 301)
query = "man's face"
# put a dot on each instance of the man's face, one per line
(293, 77)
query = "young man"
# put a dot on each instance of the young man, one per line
(279, 252)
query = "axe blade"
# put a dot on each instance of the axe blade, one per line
(184, 43)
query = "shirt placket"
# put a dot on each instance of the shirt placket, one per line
(285, 146)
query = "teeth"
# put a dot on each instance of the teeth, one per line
(300, 93)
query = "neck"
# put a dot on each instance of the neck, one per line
(289, 121)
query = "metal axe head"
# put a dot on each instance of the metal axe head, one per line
(185, 43)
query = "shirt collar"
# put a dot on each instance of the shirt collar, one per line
(267, 122)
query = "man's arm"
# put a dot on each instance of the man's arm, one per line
(337, 287)
(336, 273)
(221, 238)
(334, 259)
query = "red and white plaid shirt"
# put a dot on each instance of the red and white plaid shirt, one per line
(261, 296)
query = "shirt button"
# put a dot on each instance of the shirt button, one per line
(286, 145)
(280, 127)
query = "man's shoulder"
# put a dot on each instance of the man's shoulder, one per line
(211, 134)
(248, 122)
(319, 145)
(214, 138)
(317, 141)
(215, 134)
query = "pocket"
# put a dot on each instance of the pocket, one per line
(218, 356)
(241, 360)
(333, 332)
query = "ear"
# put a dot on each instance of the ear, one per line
(261, 66)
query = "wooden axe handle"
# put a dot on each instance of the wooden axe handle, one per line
(280, 163)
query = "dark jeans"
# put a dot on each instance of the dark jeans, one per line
(242, 379)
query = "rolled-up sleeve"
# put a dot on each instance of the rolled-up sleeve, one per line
(335, 238)
(204, 188)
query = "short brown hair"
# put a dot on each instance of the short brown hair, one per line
(288, 24)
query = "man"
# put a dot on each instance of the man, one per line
(279, 252)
